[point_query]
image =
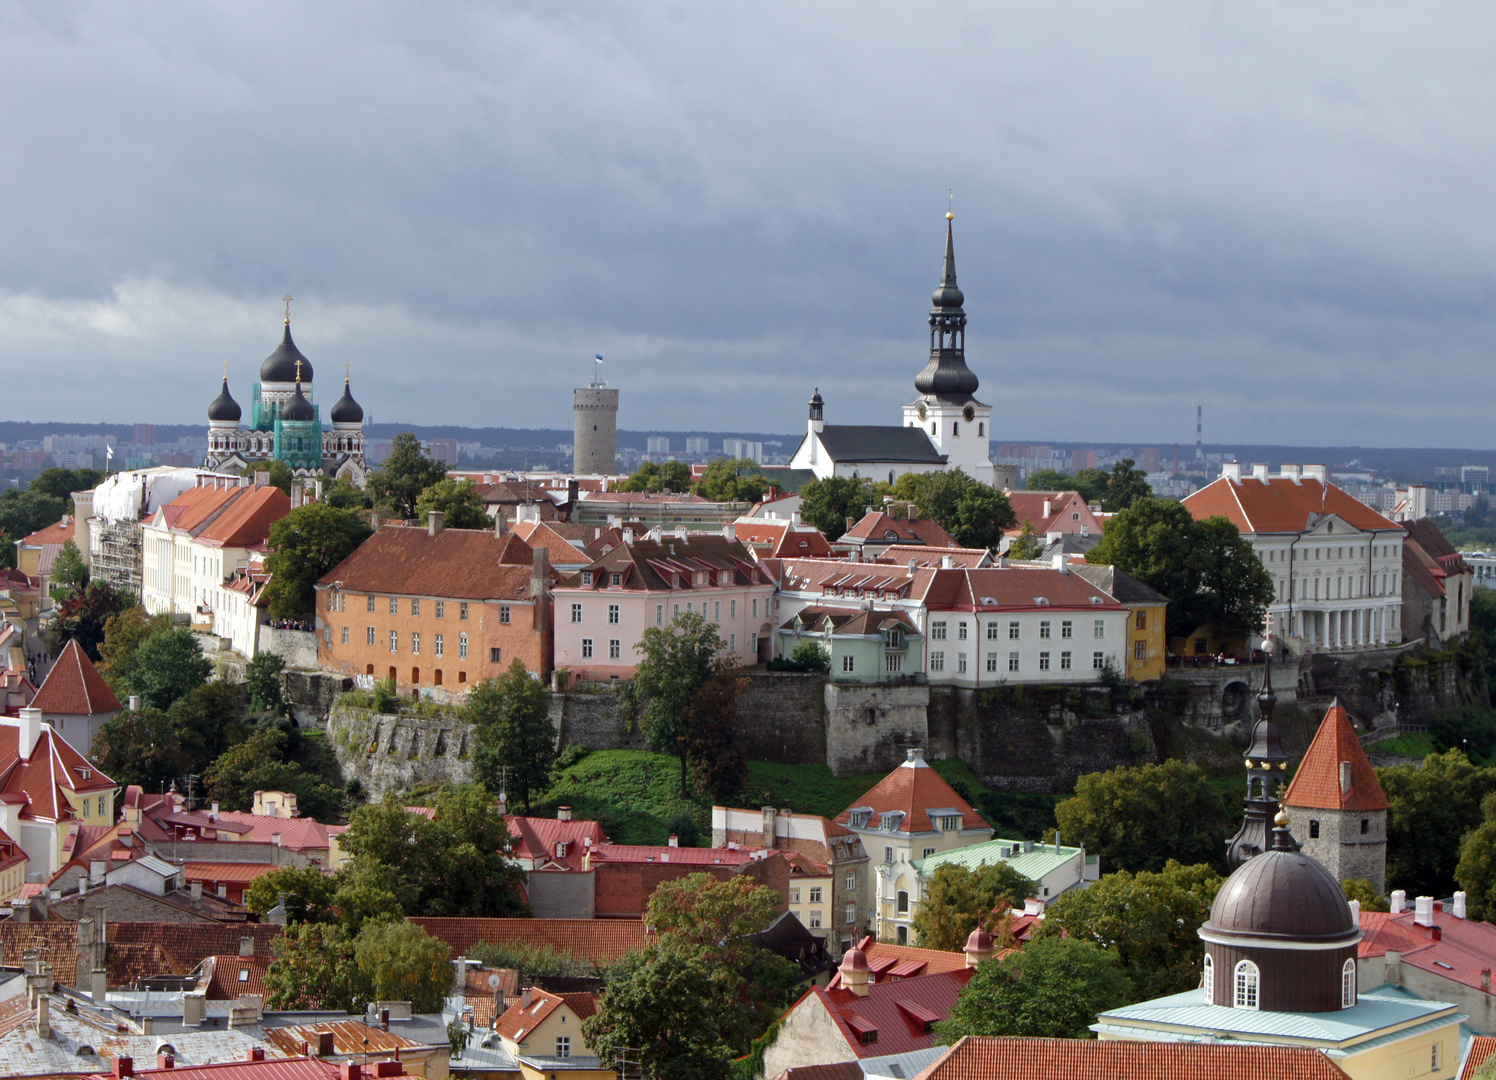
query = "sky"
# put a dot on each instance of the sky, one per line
(1281, 211)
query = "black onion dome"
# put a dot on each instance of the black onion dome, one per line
(280, 366)
(298, 408)
(1281, 894)
(946, 375)
(345, 410)
(224, 406)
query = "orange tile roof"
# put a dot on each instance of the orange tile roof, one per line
(74, 687)
(1481, 1047)
(897, 1010)
(464, 563)
(783, 539)
(542, 534)
(593, 939)
(192, 943)
(981, 1058)
(914, 788)
(883, 957)
(349, 1037)
(194, 508)
(1316, 784)
(519, 1018)
(877, 527)
(247, 520)
(1029, 507)
(1278, 505)
(234, 975)
(39, 782)
(59, 532)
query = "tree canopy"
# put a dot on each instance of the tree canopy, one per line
(23, 513)
(457, 500)
(1149, 920)
(1091, 483)
(515, 740)
(406, 473)
(974, 513)
(69, 571)
(305, 545)
(124, 633)
(1432, 807)
(958, 900)
(83, 616)
(1207, 570)
(732, 480)
(322, 966)
(828, 503)
(1053, 988)
(1139, 818)
(168, 665)
(675, 662)
(672, 476)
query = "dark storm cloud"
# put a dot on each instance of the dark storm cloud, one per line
(1281, 211)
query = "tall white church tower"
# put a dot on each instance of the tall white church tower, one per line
(956, 422)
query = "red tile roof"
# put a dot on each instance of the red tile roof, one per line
(519, 1018)
(1466, 947)
(671, 562)
(684, 856)
(1279, 505)
(227, 872)
(593, 939)
(543, 534)
(962, 558)
(536, 838)
(978, 1058)
(1481, 1047)
(897, 1010)
(914, 788)
(1316, 784)
(349, 1037)
(782, 539)
(59, 532)
(234, 975)
(247, 519)
(195, 507)
(192, 943)
(298, 1068)
(53, 767)
(877, 527)
(884, 960)
(1029, 507)
(1016, 588)
(465, 563)
(74, 687)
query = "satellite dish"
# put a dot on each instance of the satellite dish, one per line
(493, 982)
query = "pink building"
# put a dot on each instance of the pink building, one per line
(602, 611)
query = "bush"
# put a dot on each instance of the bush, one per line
(811, 656)
(683, 827)
(386, 699)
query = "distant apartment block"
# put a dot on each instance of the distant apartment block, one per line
(698, 445)
(657, 444)
(743, 448)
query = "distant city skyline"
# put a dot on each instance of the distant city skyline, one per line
(1281, 213)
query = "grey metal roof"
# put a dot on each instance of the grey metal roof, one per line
(1123, 587)
(853, 443)
(905, 1066)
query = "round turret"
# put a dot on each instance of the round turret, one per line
(345, 410)
(280, 366)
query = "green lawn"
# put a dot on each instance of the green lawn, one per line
(635, 794)
(1418, 744)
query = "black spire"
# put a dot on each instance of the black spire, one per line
(224, 407)
(946, 375)
(1267, 766)
(345, 410)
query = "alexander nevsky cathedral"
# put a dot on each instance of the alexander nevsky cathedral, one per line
(286, 422)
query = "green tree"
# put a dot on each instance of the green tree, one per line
(263, 677)
(1091, 483)
(69, 572)
(82, 617)
(1150, 920)
(732, 480)
(514, 734)
(456, 865)
(1476, 871)
(665, 1004)
(307, 891)
(141, 747)
(124, 634)
(718, 767)
(362, 894)
(208, 720)
(399, 961)
(1371, 900)
(719, 915)
(676, 661)
(1432, 808)
(811, 655)
(457, 501)
(23, 513)
(61, 483)
(958, 900)
(974, 513)
(280, 475)
(1205, 568)
(305, 545)
(168, 665)
(1138, 818)
(1125, 485)
(673, 476)
(314, 968)
(1053, 988)
(343, 495)
(829, 502)
(1026, 545)
(264, 762)
(406, 473)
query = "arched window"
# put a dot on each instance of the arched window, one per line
(981, 429)
(1348, 985)
(1207, 982)
(1246, 986)
(955, 427)
(903, 902)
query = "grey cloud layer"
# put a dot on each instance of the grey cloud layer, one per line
(1281, 210)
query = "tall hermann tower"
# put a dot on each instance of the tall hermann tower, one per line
(594, 411)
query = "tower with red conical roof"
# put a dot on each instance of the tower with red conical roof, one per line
(1336, 805)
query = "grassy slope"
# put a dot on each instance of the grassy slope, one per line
(635, 794)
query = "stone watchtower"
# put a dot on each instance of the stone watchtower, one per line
(1336, 805)
(594, 411)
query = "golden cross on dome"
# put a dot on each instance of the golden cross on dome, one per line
(298, 372)
(225, 371)
(287, 299)
(345, 372)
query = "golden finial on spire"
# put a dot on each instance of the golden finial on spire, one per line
(225, 371)
(950, 213)
(298, 371)
(345, 372)
(287, 299)
(1282, 819)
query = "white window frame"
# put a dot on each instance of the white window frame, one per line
(1246, 986)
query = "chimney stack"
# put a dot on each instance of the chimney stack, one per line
(1345, 777)
(43, 1016)
(1423, 911)
(194, 1009)
(769, 830)
(540, 594)
(434, 522)
(854, 972)
(563, 813)
(99, 984)
(1459, 906)
(1397, 901)
(246, 946)
(31, 732)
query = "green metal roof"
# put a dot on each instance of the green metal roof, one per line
(1358, 1026)
(1034, 865)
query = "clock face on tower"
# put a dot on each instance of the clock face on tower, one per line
(921, 410)
(969, 413)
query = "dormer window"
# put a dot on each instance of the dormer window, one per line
(560, 849)
(586, 577)
(617, 579)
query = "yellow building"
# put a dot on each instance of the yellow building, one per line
(1280, 968)
(47, 789)
(543, 1033)
(1146, 645)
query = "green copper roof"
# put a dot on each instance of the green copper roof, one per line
(1034, 865)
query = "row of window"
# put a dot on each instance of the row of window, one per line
(1383, 551)
(337, 601)
(1346, 588)
(939, 629)
(1098, 661)
(438, 643)
(1247, 979)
